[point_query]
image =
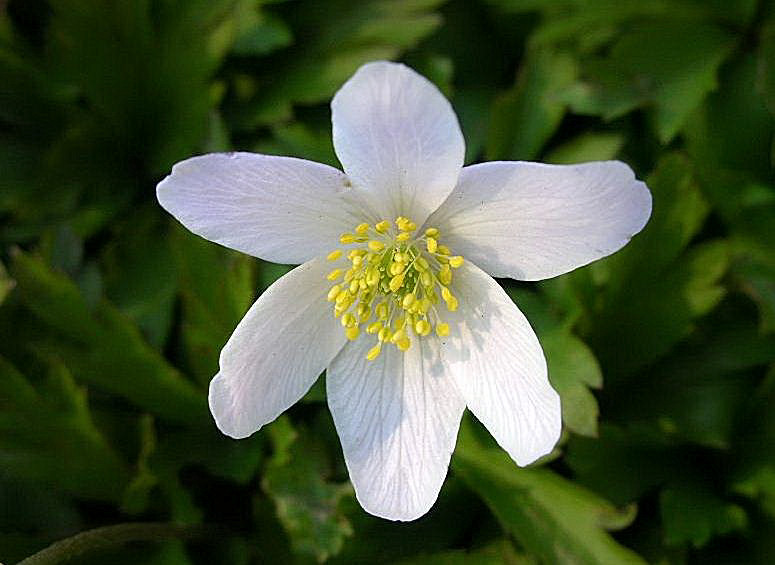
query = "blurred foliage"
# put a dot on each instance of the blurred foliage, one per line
(112, 315)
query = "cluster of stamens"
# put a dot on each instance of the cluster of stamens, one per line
(394, 283)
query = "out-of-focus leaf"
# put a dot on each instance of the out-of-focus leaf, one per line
(766, 82)
(754, 462)
(623, 464)
(6, 283)
(222, 456)
(587, 147)
(307, 503)
(693, 513)
(708, 378)
(501, 551)
(258, 33)
(140, 279)
(137, 494)
(102, 347)
(573, 369)
(731, 131)
(551, 517)
(671, 65)
(665, 308)
(332, 50)
(652, 293)
(217, 288)
(300, 141)
(49, 437)
(525, 117)
(144, 68)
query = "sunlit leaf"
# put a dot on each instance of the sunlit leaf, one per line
(550, 516)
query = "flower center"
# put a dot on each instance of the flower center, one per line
(393, 283)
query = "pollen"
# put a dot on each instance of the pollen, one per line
(394, 283)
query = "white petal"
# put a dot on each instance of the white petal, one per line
(499, 367)
(398, 138)
(277, 352)
(397, 418)
(531, 221)
(281, 209)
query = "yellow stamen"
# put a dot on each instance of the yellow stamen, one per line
(393, 283)
(374, 352)
(334, 292)
(382, 227)
(397, 282)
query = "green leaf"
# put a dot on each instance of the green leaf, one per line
(501, 551)
(525, 117)
(258, 33)
(551, 517)
(49, 437)
(669, 64)
(332, 50)
(587, 147)
(732, 131)
(573, 369)
(102, 347)
(766, 63)
(306, 503)
(140, 279)
(623, 464)
(693, 513)
(6, 283)
(216, 288)
(652, 292)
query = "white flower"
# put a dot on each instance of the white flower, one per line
(409, 333)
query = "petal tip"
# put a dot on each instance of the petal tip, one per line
(223, 409)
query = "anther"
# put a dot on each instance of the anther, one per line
(334, 292)
(374, 352)
(382, 227)
(334, 255)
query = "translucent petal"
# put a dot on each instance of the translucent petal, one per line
(280, 209)
(398, 139)
(530, 221)
(277, 351)
(397, 418)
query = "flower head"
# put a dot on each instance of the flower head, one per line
(409, 332)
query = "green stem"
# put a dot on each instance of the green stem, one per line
(98, 538)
